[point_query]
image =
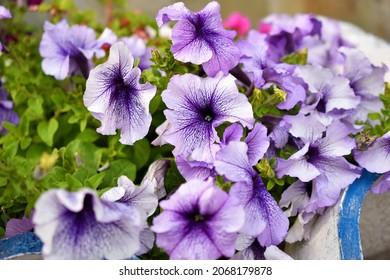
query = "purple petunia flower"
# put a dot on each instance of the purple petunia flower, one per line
(69, 50)
(199, 221)
(264, 219)
(329, 96)
(259, 60)
(142, 199)
(366, 80)
(196, 106)
(249, 248)
(377, 157)
(4, 13)
(81, 226)
(139, 50)
(200, 38)
(116, 98)
(381, 185)
(321, 161)
(6, 112)
(18, 226)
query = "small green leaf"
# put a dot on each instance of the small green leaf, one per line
(94, 181)
(25, 143)
(116, 169)
(46, 131)
(3, 181)
(72, 182)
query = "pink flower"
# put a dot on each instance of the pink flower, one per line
(238, 22)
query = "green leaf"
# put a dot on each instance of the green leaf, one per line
(3, 181)
(10, 149)
(116, 169)
(46, 131)
(10, 127)
(375, 116)
(140, 153)
(25, 143)
(72, 183)
(94, 181)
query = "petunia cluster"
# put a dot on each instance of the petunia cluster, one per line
(248, 137)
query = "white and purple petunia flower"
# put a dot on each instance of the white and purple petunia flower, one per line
(249, 248)
(79, 225)
(321, 161)
(329, 96)
(196, 106)
(199, 37)
(264, 219)
(142, 199)
(68, 50)
(199, 221)
(116, 98)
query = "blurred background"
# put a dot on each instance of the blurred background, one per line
(370, 15)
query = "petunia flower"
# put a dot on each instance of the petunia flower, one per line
(329, 96)
(142, 199)
(69, 50)
(199, 221)
(79, 225)
(377, 157)
(259, 60)
(196, 106)
(321, 161)
(6, 110)
(139, 50)
(249, 248)
(4, 13)
(18, 226)
(238, 22)
(264, 219)
(115, 97)
(366, 80)
(381, 185)
(199, 38)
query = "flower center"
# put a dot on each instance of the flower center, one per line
(208, 118)
(199, 218)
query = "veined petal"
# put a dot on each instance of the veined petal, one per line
(233, 132)
(225, 55)
(377, 157)
(297, 166)
(381, 185)
(173, 12)
(57, 67)
(187, 46)
(143, 198)
(263, 217)
(233, 163)
(257, 142)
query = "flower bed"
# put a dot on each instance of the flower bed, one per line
(205, 144)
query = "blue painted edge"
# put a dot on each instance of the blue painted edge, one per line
(22, 244)
(348, 225)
